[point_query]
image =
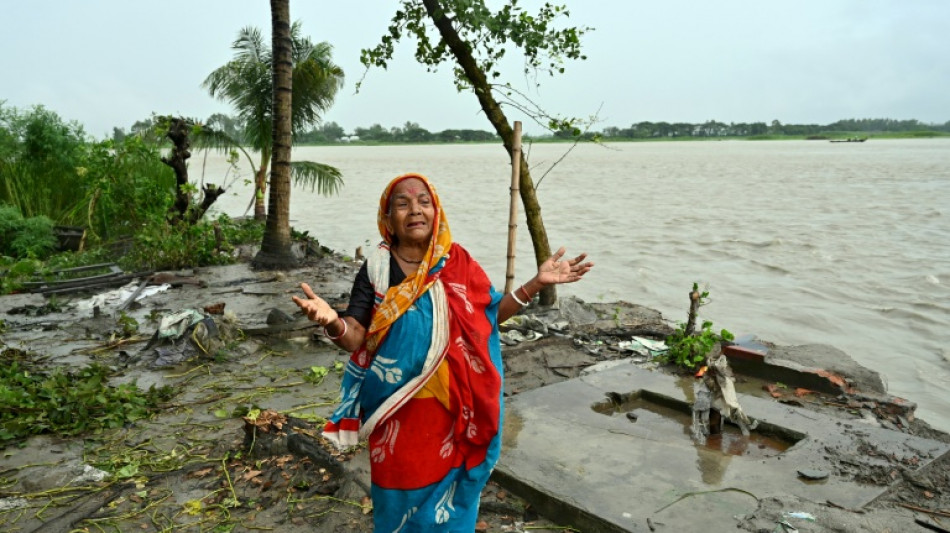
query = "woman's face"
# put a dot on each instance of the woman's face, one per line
(411, 212)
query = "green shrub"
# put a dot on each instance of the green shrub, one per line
(162, 245)
(35, 238)
(25, 237)
(10, 221)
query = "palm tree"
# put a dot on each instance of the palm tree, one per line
(247, 83)
(275, 246)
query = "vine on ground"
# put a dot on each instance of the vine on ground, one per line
(67, 402)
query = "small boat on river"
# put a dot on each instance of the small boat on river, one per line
(851, 140)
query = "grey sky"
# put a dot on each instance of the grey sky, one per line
(108, 63)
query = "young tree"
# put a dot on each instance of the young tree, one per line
(475, 39)
(246, 81)
(275, 246)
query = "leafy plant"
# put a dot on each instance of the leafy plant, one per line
(688, 348)
(128, 325)
(25, 237)
(162, 245)
(315, 374)
(17, 273)
(68, 402)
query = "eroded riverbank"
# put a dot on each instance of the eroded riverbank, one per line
(199, 465)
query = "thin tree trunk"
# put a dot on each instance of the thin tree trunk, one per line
(462, 54)
(513, 208)
(260, 189)
(276, 244)
(178, 131)
(694, 301)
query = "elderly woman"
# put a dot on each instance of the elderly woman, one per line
(424, 382)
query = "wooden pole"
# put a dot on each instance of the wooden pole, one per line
(513, 210)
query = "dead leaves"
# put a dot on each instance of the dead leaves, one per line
(266, 421)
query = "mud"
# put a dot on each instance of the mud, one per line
(238, 448)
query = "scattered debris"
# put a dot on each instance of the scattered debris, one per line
(812, 474)
(801, 515)
(123, 294)
(182, 336)
(716, 393)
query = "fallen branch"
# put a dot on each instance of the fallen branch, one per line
(934, 512)
(114, 344)
(701, 492)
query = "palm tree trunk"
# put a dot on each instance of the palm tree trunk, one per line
(260, 191)
(532, 209)
(275, 246)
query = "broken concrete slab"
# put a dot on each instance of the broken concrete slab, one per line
(605, 472)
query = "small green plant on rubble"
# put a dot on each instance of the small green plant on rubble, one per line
(128, 325)
(688, 348)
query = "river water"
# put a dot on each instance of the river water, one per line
(798, 242)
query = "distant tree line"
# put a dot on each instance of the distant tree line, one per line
(713, 128)
(412, 132)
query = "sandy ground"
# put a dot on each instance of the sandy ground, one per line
(201, 465)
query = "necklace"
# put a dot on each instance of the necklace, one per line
(406, 260)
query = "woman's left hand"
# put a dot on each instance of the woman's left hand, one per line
(555, 270)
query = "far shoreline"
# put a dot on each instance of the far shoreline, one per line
(838, 136)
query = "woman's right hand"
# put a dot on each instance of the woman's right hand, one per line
(316, 308)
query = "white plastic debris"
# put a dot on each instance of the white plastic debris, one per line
(652, 345)
(801, 515)
(7, 504)
(120, 295)
(90, 474)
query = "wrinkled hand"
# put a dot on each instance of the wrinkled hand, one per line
(555, 270)
(316, 308)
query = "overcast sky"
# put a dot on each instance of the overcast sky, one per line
(108, 63)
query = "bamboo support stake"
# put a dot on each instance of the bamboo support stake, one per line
(513, 210)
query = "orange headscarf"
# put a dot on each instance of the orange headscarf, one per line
(398, 299)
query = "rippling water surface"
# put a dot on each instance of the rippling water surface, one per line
(798, 242)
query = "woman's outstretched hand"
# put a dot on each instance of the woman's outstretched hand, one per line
(316, 308)
(555, 270)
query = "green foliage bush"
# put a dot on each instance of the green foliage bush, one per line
(162, 245)
(10, 221)
(67, 402)
(40, 154)
(128, 187)
(50, 168)
(25, 237)
(35, 238)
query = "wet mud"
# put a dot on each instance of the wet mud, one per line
(238, 448)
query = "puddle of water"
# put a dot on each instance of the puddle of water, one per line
(669, 416)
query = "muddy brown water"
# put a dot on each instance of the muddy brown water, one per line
(798, 242)
(673, 421)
